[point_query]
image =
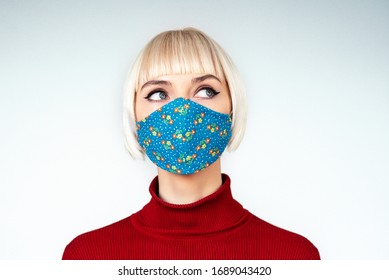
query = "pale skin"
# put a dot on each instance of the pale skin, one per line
(205, 89)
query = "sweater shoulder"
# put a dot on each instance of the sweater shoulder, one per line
(87, 245)
(284, 244)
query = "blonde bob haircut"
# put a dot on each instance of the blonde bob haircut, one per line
(186, 51)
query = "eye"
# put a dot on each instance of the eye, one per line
(157, 95)
(207, 92)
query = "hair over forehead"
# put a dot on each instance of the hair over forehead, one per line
(184, 51)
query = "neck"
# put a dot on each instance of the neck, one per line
(185, 189)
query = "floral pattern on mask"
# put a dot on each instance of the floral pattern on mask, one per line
(184, 137)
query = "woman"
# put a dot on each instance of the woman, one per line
(184, 104)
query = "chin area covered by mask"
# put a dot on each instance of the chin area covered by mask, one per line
(184, 137)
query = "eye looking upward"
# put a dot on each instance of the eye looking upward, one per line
(206, 92)
(156, 95)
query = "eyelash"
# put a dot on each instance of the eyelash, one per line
(214, 92)
(148, 97)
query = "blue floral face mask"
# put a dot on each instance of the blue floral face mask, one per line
(184, 137)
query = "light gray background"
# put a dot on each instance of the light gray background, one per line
(315, 158)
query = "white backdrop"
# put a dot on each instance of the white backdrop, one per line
(315, 158)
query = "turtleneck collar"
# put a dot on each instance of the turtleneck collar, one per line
(213, 213)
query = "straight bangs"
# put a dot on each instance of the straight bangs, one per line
(179, 52)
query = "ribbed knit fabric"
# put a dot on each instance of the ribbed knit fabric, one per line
(215, 227)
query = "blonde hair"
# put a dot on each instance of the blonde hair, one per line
(183, 51)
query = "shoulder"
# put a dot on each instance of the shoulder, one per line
(91, 245)
(281, 243)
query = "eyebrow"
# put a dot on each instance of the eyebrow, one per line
(156, 82)
(194, 80)
(205, 77)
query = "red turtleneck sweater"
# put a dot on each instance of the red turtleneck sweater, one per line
(215, 227)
